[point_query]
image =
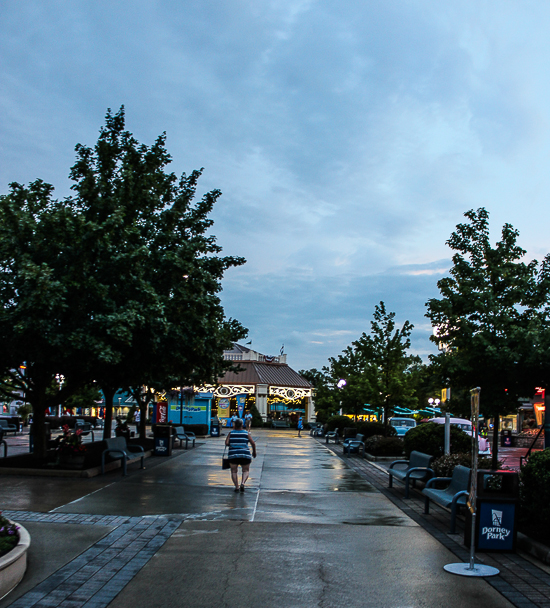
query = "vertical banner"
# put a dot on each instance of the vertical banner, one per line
(474, 402)
(223, 407)
(241, 399)
(162, 412)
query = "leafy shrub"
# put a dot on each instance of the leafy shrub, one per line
(257, 420)
(429, 438)
(444, 466)
(9, 537)
(378, 445)
(535, 491)
(368, 429)
(340, 423)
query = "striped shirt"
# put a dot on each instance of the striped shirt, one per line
(238, 445)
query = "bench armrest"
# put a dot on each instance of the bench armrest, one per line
(434, 480)
(420, 469)
(115, 451)
(398, 462)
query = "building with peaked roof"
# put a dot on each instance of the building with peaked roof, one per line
(265, 381)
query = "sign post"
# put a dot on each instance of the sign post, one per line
(473, 569)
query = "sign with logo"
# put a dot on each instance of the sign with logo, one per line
(161, 446)
(241, 399)
(223, 408)
(496, 526)
(162, 412)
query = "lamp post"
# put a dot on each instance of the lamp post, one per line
(340, 384)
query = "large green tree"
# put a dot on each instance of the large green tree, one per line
(116, 284)
(489, 318)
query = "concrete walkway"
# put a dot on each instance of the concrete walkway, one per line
(308, 531)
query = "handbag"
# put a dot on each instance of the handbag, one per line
(225, 460)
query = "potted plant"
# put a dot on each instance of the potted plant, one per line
(14, 543)
(69, 450)
(121, 428)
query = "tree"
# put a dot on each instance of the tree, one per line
(117, 284)
(489, 318)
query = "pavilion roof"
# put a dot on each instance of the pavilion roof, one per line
(274, 374)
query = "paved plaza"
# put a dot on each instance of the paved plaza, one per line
(309, 531)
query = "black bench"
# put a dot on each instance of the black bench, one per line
(7, 427)
(453, 496)
(181, 434)
(332, 435)
(316, 430)
(3, 442)
(85, 428)
(279, 424)
(354, 445)
(417, 469)
(118, 449)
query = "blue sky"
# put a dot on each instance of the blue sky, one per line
(347, 138)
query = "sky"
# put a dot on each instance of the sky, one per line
(348, 139)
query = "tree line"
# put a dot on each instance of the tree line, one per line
(116, 286)
(492, 323)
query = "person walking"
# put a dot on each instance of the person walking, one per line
(248, 420)
(239, 453)
(300, 426)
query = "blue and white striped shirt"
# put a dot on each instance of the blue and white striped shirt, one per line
(238, 445)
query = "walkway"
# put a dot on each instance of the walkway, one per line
(309, 531)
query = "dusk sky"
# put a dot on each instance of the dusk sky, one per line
(347, 138)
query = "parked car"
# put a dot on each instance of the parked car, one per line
(466, 426)
(402, 425)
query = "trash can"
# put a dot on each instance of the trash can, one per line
(215, 429)
(496, 511)
(506, 439)
(163, 439)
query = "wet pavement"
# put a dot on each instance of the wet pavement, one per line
(308, 531)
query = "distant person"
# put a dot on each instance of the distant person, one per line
(300, 426)
(239, 453)
(234, 419)
(248, 420)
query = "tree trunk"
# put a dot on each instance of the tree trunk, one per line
(109, 394)
(39, 429)
(494, 461)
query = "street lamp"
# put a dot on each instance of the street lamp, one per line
(434, 402)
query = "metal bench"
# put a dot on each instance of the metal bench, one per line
(354, 445)
(453, 496)
(3, 442)
(332, 435)
(118, 449)
(417, 469)
(7, 427)
(316, 430)
(279, 424)
(85, 427)
(181, 434)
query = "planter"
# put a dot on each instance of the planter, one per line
(14, 564)
(70, 461)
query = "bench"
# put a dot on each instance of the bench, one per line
(7, 427)
(118, 449)
(316, 431)
(417, 469)
(354, 445)
(3, 442)
(332, 435)
(279, 424)
(453, 496)
(85, 428)
(181, 434)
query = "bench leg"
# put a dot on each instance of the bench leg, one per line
(406, 480)
(390, 479)
(5, 448)
(426, 505)
(142, 462)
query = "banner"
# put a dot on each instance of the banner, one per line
(162, 412)
(241, 399)
(223, 408)
(474, 402)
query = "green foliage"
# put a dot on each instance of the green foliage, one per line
(9, 536)
(368, 429)
(429, 438)
(257, 420)
(444, 466)
(340, 423)
(378, 445)
(535, 491)
(118, 283)
(24, 411)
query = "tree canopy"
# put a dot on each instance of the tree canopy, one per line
(117, 283)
